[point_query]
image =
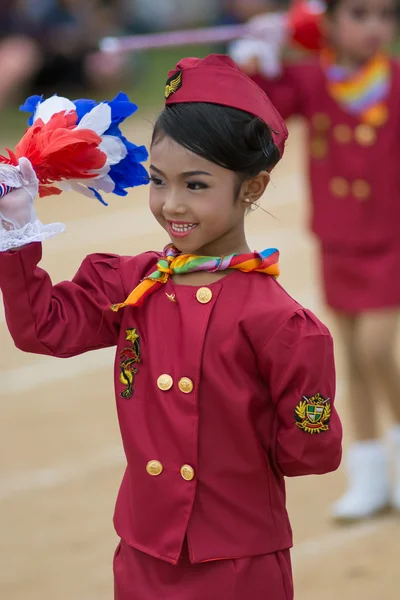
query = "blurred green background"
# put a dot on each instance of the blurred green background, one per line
(145, 87)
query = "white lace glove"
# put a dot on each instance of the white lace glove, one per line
(19, 224)
(261, 51)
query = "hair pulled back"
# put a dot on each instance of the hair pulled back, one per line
(228, 137)
(332, 5)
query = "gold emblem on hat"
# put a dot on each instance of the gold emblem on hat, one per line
(173, 84)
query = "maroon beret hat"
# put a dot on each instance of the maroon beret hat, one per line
(217, 79)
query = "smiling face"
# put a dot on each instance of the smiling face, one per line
(199, 203)
(359, 29)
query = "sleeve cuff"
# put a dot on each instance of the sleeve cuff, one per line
(31, 232)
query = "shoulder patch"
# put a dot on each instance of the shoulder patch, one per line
(312, 414)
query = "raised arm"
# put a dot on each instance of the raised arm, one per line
(261, 59)
(68, 318)
(69, 145)
(62, 320)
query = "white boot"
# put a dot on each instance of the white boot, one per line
(369, 482)
(395, 439)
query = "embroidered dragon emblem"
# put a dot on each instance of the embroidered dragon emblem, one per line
(129, 358)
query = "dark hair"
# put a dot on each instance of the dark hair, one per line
(332, 5)
(228, 137)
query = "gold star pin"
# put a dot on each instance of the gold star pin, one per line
(171, 297)
(131, 335)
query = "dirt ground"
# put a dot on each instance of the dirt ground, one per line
(60, 453)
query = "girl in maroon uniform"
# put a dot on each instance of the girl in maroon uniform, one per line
(348, 95)
(224, 384)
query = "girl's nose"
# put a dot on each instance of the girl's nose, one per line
(174, 204)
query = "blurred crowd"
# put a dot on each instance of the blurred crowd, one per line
(49, 45)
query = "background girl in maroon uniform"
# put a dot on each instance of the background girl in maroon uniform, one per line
(349, 98)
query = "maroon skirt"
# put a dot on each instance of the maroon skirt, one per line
(360, 280)
(138, 576)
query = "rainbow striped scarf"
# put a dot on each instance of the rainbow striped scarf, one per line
(174, 263)
(363, 92)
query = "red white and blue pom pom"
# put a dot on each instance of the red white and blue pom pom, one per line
(5, 189)
(79, 146)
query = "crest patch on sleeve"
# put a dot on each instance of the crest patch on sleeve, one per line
(313, 414)
(128, 358)
(173, 84)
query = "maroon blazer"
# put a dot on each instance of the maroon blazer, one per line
(354, 169)
(213, 392)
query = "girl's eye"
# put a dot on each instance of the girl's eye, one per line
(359, 13)
(389, 13)
(196, 185)
(156, 181)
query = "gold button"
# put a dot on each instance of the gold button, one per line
(185, 385)
(187, 472)
(361, 189)
(321, 121)
(342, 134)
(319, 148)
(365, 134)
(154, 468)
(339, 187)
(165, 382)
(204, 295)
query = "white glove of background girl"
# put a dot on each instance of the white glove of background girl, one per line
(261, 51)
(18, 221)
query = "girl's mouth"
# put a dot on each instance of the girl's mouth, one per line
(180, 229)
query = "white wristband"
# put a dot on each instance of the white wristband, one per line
(31, 232)
(267, 55)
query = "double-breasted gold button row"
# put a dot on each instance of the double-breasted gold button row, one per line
(165, 383)
(343, 135)
(359, 188)
(363, 133)
(155, 468)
